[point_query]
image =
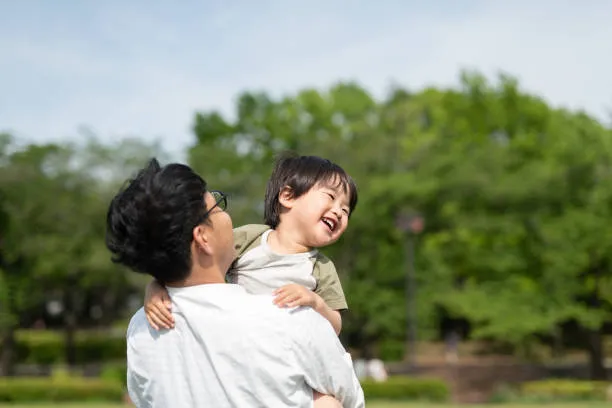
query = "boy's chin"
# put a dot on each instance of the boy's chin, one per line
(323, 242)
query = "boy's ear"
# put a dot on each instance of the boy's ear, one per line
(285, 197)
(201, 239)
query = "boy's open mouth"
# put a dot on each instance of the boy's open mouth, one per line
(331, 224)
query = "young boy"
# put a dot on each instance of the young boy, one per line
(308, 203)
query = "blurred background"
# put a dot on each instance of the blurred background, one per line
(478, 263)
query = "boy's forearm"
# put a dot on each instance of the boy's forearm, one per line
(333, 316)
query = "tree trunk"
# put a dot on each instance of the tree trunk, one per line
(70, 345)
(596, 355)
(7, 353)
(594, 336)
(558, 350)
(70, 321)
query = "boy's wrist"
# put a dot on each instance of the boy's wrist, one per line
(319, 303)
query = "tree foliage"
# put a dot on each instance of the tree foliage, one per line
(52, 219)
(514, 192)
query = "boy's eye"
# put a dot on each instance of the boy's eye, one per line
(346, 211)
(331, 196)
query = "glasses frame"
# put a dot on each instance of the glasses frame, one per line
(220, 201)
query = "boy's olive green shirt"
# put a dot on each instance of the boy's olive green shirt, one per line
(328, 286)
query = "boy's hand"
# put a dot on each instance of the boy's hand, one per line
(158, 306)
(293, 295)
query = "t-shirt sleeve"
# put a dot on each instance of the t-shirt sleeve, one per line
(327, 367)
(328, 284)
(246, 235)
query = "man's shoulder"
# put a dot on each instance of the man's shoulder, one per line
(264, 307)
(303, 322)
(138, 323)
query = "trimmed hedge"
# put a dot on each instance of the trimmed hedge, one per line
(552, 391)
(48, 347)
(116, 372)
(391, 350)
(565, 390)
(23, 389)
(62, 387)
(407, 388)
(395, 388)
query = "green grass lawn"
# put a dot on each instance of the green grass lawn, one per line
(376, 404)
(420, 405)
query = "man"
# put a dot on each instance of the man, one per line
(228, 348)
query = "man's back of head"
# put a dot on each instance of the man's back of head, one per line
(150, 221)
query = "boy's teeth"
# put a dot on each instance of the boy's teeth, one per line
(329, 223)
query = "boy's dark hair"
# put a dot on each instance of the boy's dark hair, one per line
(150, 222)
(301, 173)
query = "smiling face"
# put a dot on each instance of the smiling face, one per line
(320, 215)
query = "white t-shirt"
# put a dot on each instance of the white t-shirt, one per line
(233, 349)
(261, 270)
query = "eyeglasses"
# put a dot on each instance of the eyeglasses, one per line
(220, 201)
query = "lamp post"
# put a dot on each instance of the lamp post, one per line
(410, 224)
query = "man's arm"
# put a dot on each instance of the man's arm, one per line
(137, 387)
(137, 382)
(326, 365)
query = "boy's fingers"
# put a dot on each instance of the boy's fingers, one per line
(300, 301)
(159, 322)
(162, 315)
(291, 298)
(284, 298)
(162, 310)
(165, 316)
(280, 298)
(167, 323)
(282, 290)
(152, 322)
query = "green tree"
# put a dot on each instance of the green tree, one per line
(516, 203)
(54, 202)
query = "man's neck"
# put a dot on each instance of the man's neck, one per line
(199, 277)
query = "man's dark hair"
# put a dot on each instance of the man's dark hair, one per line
(150, 222)
(301, 173)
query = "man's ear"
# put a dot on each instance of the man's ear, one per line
(201, 238)
(285, 197)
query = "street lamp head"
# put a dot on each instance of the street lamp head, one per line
(410, 222)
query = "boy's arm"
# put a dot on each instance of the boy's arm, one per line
(333, 316)
(294, 295)
(158, 306)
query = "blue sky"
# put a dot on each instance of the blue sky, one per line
(142, 68)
